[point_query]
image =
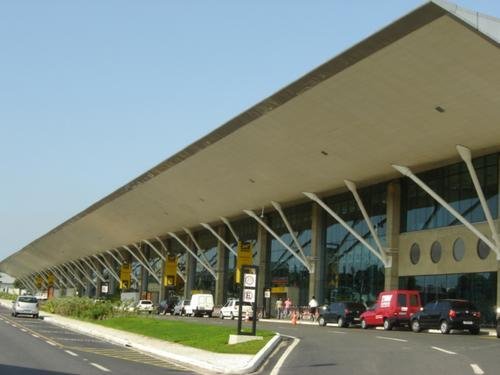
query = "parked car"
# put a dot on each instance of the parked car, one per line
(201, 304)
(447, 314)
(393, 308)
(166, 306)
(232, 309)
(180, 307)
(342, 313)
(25, 305)
(144, 305)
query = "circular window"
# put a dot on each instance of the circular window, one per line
(414, 253)
(436, 252)
(458, 249)
(483, 250)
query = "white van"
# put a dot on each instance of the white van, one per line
(201, 304)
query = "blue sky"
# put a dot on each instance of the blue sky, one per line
(94, 93)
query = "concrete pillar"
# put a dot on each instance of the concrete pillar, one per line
(316, 278)
(144, 279)
(190, 271)
(264, 269)
(221, 268)
(392, 234)
(98, 281)
(161, 294)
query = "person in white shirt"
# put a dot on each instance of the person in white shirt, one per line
(313, 308)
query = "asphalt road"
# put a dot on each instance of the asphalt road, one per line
(34, 347)
(315, 350)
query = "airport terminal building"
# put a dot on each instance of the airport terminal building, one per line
(377, 170)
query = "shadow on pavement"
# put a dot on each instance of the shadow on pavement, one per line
(16, 370)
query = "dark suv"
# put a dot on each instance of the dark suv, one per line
(447, 314)
(166, 306)
(343, 313)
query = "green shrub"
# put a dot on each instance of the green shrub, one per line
(79, 307)
(8, 296)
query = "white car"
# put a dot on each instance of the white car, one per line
(25, 305)
(144, 305)
(231, 309)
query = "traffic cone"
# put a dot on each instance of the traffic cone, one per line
(294, 318)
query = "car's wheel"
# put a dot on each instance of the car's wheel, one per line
(444, 327)
(387, 325)
(322, 321)
(36, 316)
(149, 312)
(15, 315)
(363, 324)
(221, 315)
(498, 330)
(232, 316)
(415, 326)
(341, 322)
(183, 312)
(474, 331)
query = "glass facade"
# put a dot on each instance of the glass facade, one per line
(479, 288)
(453, 183)
(352, 272)
(246, 230)
(285, 269)
(203, 278)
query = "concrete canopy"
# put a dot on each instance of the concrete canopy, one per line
(351, 118)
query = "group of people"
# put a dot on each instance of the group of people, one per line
(284, 308)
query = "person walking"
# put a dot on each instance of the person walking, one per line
(313, 308)
(279, 308)
(288, 306)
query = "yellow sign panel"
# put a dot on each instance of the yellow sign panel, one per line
(125, 276)
(170, 272)
(245, 258)
(50, 279)
(38, 281)
(278, 289)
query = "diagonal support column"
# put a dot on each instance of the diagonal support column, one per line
(110, 270)
(278, 208)
(278, 238)
(92, 266)
(66, 273)
(216, 235)
(228, 224)
(75, 276)
(352, 187)
(84, 273)
(199, 249)
(155, 249)
(466, 156)
(179, 272)
(209, 269)
(143, 264)
(408, 173)
(120, 262)
(315, 198)
(61, 275)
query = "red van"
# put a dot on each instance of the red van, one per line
(393, 308)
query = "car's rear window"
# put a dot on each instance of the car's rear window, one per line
(355, 306)
(28, 299)
(463, 305)
(401, 299)
(146, 302)
(413, 300)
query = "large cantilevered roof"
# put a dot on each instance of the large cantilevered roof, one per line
(351, 118)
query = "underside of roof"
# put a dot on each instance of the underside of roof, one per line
(351, 118)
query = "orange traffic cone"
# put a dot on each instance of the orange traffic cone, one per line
(294, 318)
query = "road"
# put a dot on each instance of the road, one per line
(348, 351)
(34, 347)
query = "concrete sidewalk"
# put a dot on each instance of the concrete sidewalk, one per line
(196, 359)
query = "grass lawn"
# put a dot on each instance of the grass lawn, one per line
(203, 336)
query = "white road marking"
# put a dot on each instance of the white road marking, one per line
(71, 353)
(35, 335)
(477, 370)
(23, 330)
(339, 332)
(391, 338)
(287, 352)
(442, 350)
(50, 343)
(100, 367)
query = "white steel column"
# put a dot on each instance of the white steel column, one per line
(92, 266)
(216, 235)
(209, 269)
(61, 274)
(315, 198)
(110, 270)
(305, 262)
(155, 250)
(84, 273)
(198, 248)
(121, 263)
(408, 173)
(143, 264)
(75, 276)
(228, 224)
(278, 208)
(465, 154)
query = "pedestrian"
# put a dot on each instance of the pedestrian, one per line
(288, 306)
(279, 308)
(313, 307)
